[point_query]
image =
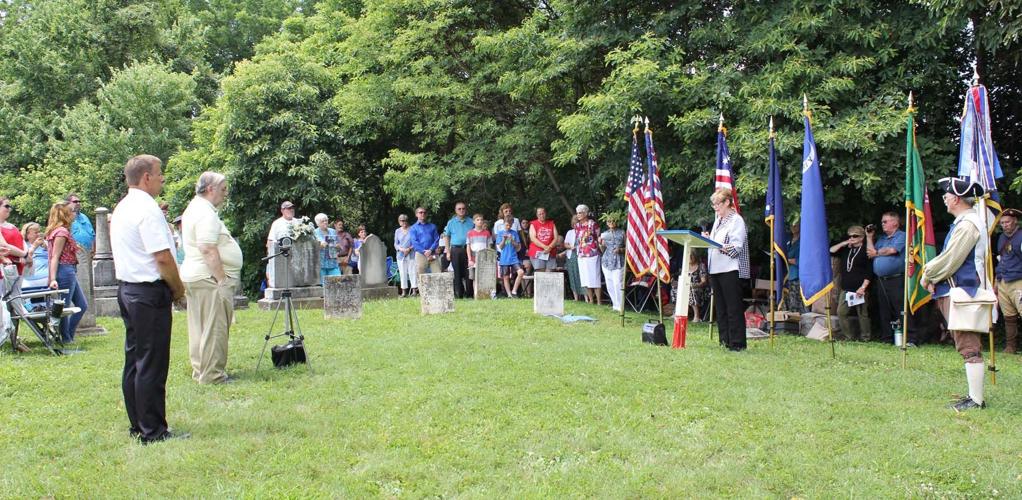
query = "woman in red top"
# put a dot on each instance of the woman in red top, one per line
(13, 242)
(63, 253)
(542, 240)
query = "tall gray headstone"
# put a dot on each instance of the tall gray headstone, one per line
(304, 262)
(549, 295)
(436, 291)
(372, 268)
(104, 279)
(87, 326)
(342, 297)
(485, 282)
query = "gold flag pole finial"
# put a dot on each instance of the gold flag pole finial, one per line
(975, 75)
(646, 119)
(720, 125)
(805, 103)
(772, 135)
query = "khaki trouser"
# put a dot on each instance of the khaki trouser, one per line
(1009, 296)
(210, 311)
(424, 265)
(968, 344)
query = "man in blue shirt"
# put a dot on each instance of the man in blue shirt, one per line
(457, 235)
(1008, 276)
(81, 227)
(888, 254)
(425, 239)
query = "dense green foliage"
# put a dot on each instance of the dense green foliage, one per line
(513, 405)
(366, 109)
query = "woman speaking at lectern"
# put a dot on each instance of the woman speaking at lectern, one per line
(729, 264)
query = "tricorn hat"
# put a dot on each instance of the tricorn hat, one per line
(960, 187)
(1011, 212)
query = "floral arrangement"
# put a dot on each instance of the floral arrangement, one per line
(300, 227)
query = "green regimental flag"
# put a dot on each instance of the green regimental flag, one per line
(919, 225)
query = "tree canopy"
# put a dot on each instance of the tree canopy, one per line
(367, 109)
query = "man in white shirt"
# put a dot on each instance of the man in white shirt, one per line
(211, 268)
(143, 251)
(280, 227)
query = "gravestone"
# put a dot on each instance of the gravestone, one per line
(304, 262)
(549, 296)
(436, 292)
(87, 325)
(485, 282)
(372, 268)
(342, 297)
(306, 292)
(104, 279)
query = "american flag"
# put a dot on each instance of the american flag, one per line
(723, 177)
(637, 252)
(660, 258)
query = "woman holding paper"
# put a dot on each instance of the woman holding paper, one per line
(856, 273)
(729, 264)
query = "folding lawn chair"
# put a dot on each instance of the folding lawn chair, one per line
(39, 308)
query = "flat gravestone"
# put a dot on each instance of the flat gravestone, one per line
(485, 282)
(549, 296)
(342, 297)
(436, 291)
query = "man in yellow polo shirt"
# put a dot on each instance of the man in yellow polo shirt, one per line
(211, 268)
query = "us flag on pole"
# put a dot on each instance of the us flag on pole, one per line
(723, 178)
(637, 252)
(660, 257)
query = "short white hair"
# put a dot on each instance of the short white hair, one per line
(582, 208)
(208, 180)
(321, 218)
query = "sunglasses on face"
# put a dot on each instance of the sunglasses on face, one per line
(8, 207)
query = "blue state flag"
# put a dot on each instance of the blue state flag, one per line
(814, 271)
(774, 216)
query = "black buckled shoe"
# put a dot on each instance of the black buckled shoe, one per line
(167, 436)
(967, 403)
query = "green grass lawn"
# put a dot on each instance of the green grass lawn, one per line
(494, 401)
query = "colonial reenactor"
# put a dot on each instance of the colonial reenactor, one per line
(1008, 276)
(959, 265)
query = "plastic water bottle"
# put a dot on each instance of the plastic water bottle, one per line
(896, 326)
(493, 294)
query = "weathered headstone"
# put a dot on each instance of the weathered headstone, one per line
(485, 282)
(306, 292)
(87, 326)
(372, 268)
(342, 297)
(304, 262)
(436, 291)
(104, 279)
(549, 295)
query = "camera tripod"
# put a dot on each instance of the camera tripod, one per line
(292, 329)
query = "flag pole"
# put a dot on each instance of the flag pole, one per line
(624, 268)
(653, 251)
(830, 326)
(908, 253)
(773, 276)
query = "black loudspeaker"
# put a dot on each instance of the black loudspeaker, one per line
(654, 333)
(288, 354)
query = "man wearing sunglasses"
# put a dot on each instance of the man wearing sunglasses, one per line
(81, 228)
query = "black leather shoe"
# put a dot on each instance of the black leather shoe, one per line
(967, 404)
(167, 436)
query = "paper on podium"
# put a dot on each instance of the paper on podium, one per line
(691, 239)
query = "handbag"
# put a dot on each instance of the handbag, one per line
(971, 314)
(288, 354)
(654, 333)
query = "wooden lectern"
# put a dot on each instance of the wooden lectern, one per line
(690, 240)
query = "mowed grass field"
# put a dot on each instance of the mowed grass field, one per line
(494, 401)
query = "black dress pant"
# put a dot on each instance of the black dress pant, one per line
(146, 311)
(727, 290)
(891, 305)
(459, 261)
